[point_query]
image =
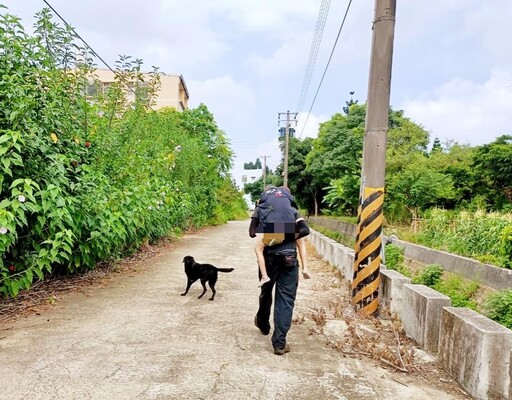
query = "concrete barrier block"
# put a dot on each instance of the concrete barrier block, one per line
(391, 287)
(348, 263)
(477, 353)
(510, 377)
(421, 314)
(330, 246)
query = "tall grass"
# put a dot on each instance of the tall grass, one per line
(479, 235)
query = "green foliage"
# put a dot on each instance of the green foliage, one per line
(430, 275)
(506, 246)
(499, 307)
(493, 171)
(256, 188)
(394, 258)
(84, 180)
(251, 165)
(460, 291)
(342, 195)
(479, 235)
(334, 235)
(302, 182)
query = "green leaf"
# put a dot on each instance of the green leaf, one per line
(30, 275)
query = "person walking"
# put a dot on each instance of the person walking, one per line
(283, 270)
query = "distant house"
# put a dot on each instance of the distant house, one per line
(173, 91)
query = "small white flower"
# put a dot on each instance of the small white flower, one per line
(159, 202)
(150, 208)
(3, 230)
(178, 148)
(177, 189)
(163, 194)
(21, 198)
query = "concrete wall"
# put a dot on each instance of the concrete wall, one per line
(420, 314)
(476, 351)
(334, 225)
(488, 275)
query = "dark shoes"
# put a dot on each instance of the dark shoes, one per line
(280, 352)
(265, 330)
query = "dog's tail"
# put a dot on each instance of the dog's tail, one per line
(225, 269)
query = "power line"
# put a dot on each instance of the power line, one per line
(326, 67)
(313, 52)
(89, 47)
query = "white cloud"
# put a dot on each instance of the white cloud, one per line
(289, 58)
(308, 127)
(466, 111)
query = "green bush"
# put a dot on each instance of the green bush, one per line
(460, 291)
(499, 307)
(479, 235)
(394, 256)
(506, 246)
(430, 275)
(86, 179)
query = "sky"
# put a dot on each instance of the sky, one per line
(246, 60)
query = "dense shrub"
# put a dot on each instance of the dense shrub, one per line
(87, 179)
(430, 275)
(499, 307)
(480, 235)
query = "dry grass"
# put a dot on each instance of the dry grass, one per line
(324, 308)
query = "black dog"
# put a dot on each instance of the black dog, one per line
(204, 272)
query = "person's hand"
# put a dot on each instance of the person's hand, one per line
(252, 234)
(305, 274)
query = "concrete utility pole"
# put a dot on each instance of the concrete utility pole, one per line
(264, 170)
(365, 285)
(290, 117)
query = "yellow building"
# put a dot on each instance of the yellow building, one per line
(173, 91)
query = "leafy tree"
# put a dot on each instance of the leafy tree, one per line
(338, 149)
(256, 188)
(416, 187)
(436, 146)
(493, 171)
(251, 165)
(85, 181)
(301, 182)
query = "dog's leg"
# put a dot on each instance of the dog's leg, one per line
(204, 289)
(189, 283)
(211, 283)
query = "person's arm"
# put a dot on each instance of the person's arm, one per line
(302, 228)
(255, 219)
(252, 227)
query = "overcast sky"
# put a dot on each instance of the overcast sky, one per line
(245, 59)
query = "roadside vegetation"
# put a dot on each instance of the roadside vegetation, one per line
(89, 176)
(448, 196)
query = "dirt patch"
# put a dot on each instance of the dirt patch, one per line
(324, 307)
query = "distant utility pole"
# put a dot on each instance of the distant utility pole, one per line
(288, 120)
(265, 170)
(365, 285)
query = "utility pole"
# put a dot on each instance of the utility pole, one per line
(365, 285)
(290, 117)
(265, 170)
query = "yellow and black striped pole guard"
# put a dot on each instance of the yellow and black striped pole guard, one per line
(366, 279)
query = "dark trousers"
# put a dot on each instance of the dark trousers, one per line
(286, 280)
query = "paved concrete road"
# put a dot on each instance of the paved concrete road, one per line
(139, 339)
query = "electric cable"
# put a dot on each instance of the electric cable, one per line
(326, 67)
(313, 52)
(88, 46)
